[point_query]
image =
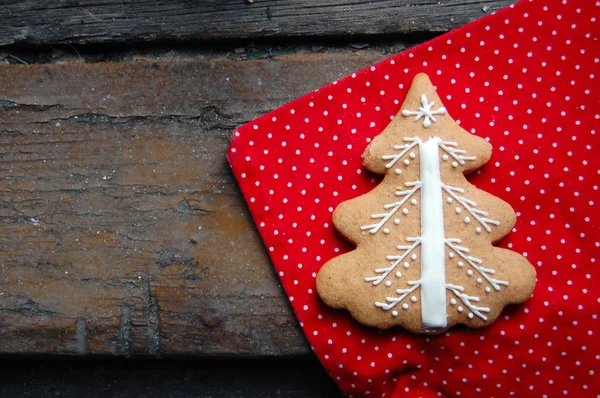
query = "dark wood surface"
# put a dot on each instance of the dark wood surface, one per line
(166, 379)
(91, 21)
(123, 231)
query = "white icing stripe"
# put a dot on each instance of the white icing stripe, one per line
(433, 258)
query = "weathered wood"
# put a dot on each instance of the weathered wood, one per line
(233, 378)
(122, 231)
(92, 21)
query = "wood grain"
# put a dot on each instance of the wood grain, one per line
(122, 231)
(167, 378)
(40, 22)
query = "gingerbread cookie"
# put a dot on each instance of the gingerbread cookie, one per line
(424, 256)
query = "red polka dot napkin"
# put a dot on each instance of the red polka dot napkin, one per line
(526, 79)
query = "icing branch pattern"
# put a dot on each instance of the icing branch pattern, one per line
(373, 228)
(474, 262)
(405, 147)
(393, 301)
(425, 111)
(458, 154)
(470, 206)
(468, 301)
(396, 260)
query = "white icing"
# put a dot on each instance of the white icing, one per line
(405, 211)
(397, 221)
(413, 202)
(433, 251)
(373, 228)
(470, 206)
(425, 111)
(405, 149)
(475, 263)
(384, 272)
(457, 154)
(398, 274)
(392, 301)
(398, 171)
(468, 301)
(388, 283)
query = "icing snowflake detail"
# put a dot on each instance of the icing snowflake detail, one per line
(425, 111)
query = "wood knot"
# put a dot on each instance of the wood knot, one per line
(210, 318)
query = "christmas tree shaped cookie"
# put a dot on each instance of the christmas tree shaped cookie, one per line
(424, 256)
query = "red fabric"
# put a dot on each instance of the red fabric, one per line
(526, 78)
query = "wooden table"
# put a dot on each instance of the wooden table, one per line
(122, 230)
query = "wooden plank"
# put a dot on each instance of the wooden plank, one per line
(91, 21)
(232, 378)
(122, 231)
